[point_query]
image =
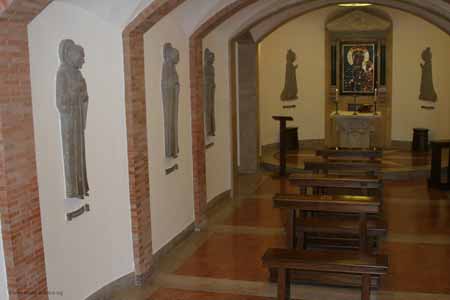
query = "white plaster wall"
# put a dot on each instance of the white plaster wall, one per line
(411, 35)
(171, 196)
(306, 37)
(91, 251)
(218, 157)
(3, 280)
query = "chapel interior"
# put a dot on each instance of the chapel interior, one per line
(224, 149)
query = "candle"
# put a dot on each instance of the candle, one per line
(376, 95)
(337, 94)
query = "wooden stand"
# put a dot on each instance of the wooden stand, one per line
(436, 165)
(283, 148)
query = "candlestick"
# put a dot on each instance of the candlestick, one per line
(336, 102)
(375, 102)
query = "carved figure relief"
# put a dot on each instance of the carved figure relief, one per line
(427, 91)
(170, 87)
(290, 90)
(72, 103)
(209, 93)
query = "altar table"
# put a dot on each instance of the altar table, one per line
(355, 130)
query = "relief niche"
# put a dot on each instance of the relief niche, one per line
(72, 103)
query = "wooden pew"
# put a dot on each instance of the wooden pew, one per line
(362, 205)
(337, 262)
(371, 167)
(337, 232)
(321, 182)
(333, 153)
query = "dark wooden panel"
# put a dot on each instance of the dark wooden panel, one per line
(363, 153)
(326, 261)
(328, 203)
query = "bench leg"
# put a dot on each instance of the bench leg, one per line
(301, 240)
(284, 285)
(365, 293)
(290, 230)
(363, 243)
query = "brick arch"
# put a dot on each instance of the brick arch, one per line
(196, 69)
(434, 18)
(136, 118)
(19, 197)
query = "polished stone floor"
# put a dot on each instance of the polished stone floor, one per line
(223, 260)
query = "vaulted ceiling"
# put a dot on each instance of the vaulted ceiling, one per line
(264, 14)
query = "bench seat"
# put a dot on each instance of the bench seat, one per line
(337, 232)
(344, 262)
(340, 225)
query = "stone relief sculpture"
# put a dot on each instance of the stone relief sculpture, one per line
(72, 103)
(209, 93)
(170, 87)
(290, 86)
(427, 91)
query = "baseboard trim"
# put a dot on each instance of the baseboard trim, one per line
(130, 280)
(106, 292)
(312, 144)
(401, 145)
(173, 243)
(218, 199)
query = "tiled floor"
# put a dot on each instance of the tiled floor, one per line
(223, 261)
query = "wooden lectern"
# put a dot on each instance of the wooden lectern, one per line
(283, 148)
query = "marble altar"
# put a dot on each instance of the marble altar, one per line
(355, 130)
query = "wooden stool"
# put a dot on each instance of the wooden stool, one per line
(291, 135)
(420, 140)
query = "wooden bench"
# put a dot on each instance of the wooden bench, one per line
(322, 182)
(362, 205)
(340, 262)
(337, 232)
(348, 153)
(435, 180)
(371, 167)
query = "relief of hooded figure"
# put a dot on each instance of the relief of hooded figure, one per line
(209, 93)
(72, 103)
(170, 88)
(290, 90)
(427, 91)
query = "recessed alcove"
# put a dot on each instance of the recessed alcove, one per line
(367, 28)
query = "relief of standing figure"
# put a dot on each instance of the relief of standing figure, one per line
(427, 91)
(170, 88)
(72, 103)
(209, 93)
(290, 90)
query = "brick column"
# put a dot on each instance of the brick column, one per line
(198, 132)
(19, 196)
(196, 73)
(136, 118)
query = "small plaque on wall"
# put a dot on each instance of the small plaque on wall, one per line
(172, 169)
(76, 213)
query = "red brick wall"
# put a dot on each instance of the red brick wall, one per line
(19, 197)
(136, 119)
(196, 75)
